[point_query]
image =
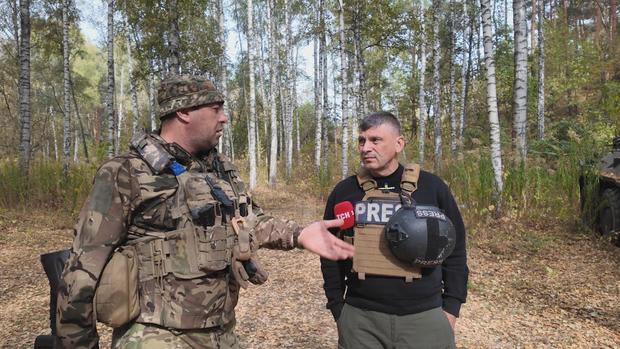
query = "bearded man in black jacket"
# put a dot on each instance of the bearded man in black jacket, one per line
(379, 311)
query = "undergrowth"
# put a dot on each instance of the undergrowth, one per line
(548, 184)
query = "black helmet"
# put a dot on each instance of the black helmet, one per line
(420, 235)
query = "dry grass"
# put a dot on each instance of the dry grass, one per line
(542, 283)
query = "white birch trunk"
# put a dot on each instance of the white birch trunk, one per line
(252, 116)
(343, 95)
(464, 75)
(66, 129)
(289, 68)
(53, 125)
(295, 114)
(132, 87)
(324, 87)
(489, 62)
(452, 89)
(436, 88)
(75, 146)
(110, 96)
(317, 109)
(225, 142)
(152, 95)
(121, 111)
(540, 101)
(422, 91)
(24, 86)
(520, 79)
(273, 147)
(359, 63)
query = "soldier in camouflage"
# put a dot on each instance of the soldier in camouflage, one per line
(179, 205)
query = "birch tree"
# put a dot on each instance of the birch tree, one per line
(489, 62)
(66, 138)
(519, 108)
(422, 91)
(289, 69)
(452, 88)
(174, 37)
(324, 87)
(225, 145)
(343, 95)
(436, 88)
(273, 147)
(112, 149)
(23, 89)
(317, 94)
(540, 100)
(133, 93)
(466, 22)
(252, 118)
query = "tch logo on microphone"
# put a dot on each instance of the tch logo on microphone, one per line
(344, 210)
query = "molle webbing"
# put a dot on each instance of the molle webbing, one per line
(153, 153)
(408, 182)
(372, 254)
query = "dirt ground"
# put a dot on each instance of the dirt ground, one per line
(546, 283)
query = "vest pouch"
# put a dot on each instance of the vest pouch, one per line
(116, 300)
(214, 248)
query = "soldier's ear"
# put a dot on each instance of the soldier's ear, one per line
(183, 115)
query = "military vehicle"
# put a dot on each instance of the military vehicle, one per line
(601, 209)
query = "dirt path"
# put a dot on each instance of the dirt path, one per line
(532, 285)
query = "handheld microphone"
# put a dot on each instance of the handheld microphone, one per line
(344, 210)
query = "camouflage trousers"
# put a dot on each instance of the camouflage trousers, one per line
(139, 336)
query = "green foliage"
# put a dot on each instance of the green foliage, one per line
(45, 187)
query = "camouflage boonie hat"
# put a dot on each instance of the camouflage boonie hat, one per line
(186, 91)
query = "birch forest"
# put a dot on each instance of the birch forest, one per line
(512, 103)
(499, 90)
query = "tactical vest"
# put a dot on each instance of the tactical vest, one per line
(185, 279)
(372, 253)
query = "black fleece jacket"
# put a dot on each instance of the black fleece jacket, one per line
(442, 286)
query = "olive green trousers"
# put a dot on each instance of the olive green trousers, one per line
(361, 329)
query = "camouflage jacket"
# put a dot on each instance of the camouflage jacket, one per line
(128, 198)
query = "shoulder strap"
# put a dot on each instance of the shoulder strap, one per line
(409, 180)
(152, 152)
(365, 181)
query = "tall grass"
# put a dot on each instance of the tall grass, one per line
(45, 187)
(548, 184)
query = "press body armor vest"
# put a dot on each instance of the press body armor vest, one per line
(372, 252)
(185, 279)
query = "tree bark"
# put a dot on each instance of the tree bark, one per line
(289, 69)
(464, 72)
(520, 79)
(540, 101)
(422, 90)
(325, 104)
(273, 147)
(452, 88)
(66, 133)
(489, 62)
(343, 95)
(152, 97)
(436, 88)
(173, 44)
(359, 62)
(132, 87)
(252, 118)
(24, 86)
(317, 100)
(112, 149)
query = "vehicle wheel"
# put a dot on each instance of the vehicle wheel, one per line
(609, 211)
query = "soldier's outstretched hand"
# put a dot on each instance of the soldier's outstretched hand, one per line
(317, 239)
